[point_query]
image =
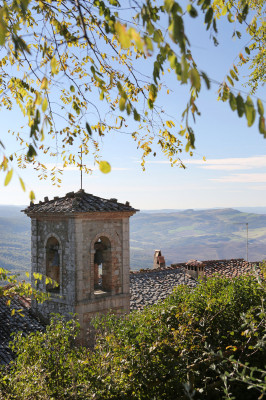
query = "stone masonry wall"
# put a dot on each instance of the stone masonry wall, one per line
(88, 302)
(63, 230)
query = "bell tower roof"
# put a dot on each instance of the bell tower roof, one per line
(77, 203)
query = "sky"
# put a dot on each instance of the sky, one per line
(233, 175)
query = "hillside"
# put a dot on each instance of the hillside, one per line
(181, 235)
(202, 234)
(14, 239)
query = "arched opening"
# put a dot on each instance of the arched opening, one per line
(53, 265)
(102, 265)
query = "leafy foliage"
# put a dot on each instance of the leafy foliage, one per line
(13, 286)
(67, 54)
(200, 343)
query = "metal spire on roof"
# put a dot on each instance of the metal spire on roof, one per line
(81, 166)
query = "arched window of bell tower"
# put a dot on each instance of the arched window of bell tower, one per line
(53, 264)
(102, 265)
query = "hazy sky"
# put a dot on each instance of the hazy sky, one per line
(233, 175)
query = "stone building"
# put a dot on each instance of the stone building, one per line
(81, 242)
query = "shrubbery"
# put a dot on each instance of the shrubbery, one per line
(201, 343)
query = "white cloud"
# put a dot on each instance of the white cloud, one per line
(243, 178)
(231, 164)
(223, 164)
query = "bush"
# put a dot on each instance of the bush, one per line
(196, 344)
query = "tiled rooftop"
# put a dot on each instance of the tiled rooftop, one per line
(24, 322)
(148, 286)
(77, 202)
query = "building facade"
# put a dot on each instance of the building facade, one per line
(80, 246)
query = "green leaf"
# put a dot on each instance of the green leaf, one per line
(262, 127)
(122, 103)
(178, 32)
(22, 184)
(230, 80)
(232, 101)
(260, 107)
(168, 4)
(148, 43)
(72, 89)
(208, 17)
(230, 18)
(240, 106)
(192, 11)
(233, 75)
(114, 3)
(206, 79)
(247, 50)
(104, 167)
(184, 72)
(157, 36)
(136, 115)
(8, 177)
(3, 32)
(31, 152)
(250, 111)
(88, 129)
(194, 78)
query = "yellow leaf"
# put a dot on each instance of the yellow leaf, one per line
(8, 177)
(27, 274)
(53, 65)
(13, 312)
(22, 184)
(122, 35)
(44, 84)
(38, 99)
(105, 167)
(44, 104)
(32, 195)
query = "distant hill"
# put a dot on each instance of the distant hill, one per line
(200, 234)
(181, 235)
(256, 210)
(15, 242)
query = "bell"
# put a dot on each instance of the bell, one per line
(55, 262)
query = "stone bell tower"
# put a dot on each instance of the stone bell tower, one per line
(81, 242)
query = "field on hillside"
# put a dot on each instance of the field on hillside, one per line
(181, 235)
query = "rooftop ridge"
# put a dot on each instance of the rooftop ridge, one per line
(208, 263)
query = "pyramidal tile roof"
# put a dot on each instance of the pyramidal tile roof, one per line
(77, 202)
